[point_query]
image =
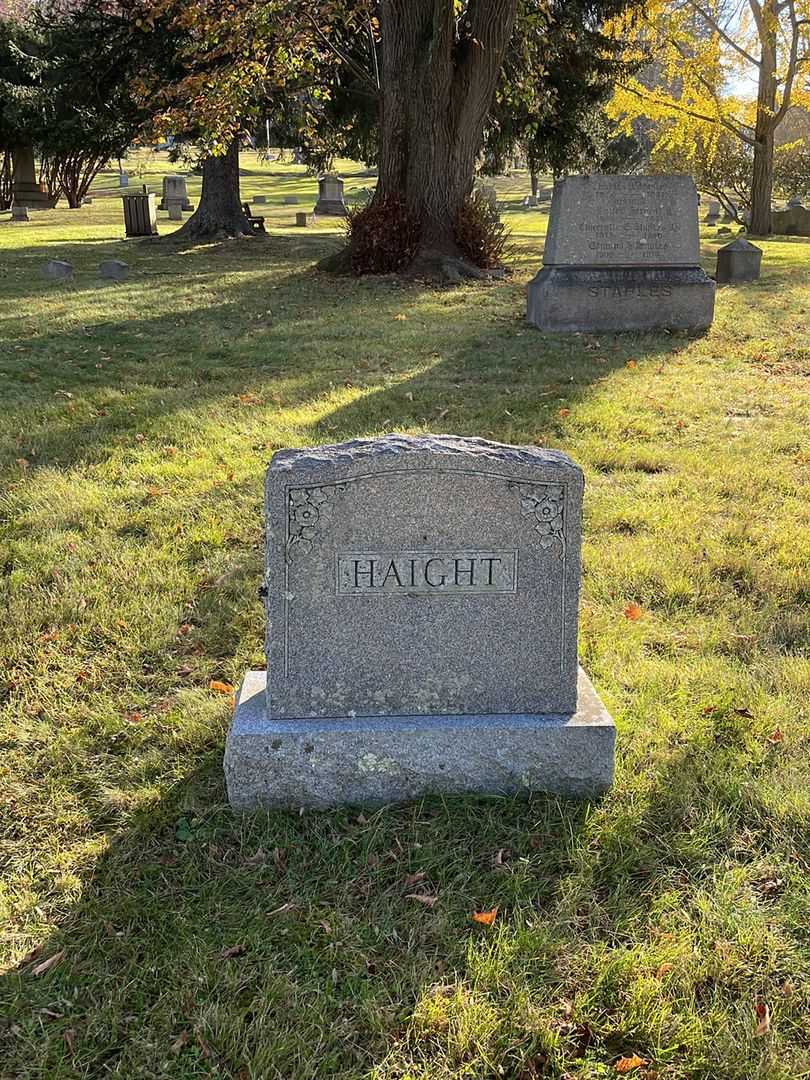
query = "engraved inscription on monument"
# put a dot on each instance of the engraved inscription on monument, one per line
(426, 573)
(622, 253)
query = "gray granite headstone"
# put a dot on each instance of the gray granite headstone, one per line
(712, 212)
(738, 261)
(290, 200)
(260, 199)
(793, 202)
(19, 213)
(622, 253)
(175, 194)
(330, 196)
(123, 179)
(488, 194)
(175, 211)
(421, 598)
(301, 219)
(792, 222)
(113, 270)
(57, 270)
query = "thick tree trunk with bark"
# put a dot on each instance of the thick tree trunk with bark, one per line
(762, 180)
(534, 180)
(219, 213)
(438, 81)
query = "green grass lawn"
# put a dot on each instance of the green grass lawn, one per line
(146, 931)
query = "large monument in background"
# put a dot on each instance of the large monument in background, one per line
(25, 189)
(622, 253)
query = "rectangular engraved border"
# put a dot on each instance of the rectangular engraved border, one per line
(438, 590)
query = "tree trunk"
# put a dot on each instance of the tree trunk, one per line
(438, 80)
(534, 180)
(219, 213)
(762, 180)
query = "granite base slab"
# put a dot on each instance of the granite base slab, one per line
(330, 208)
(583, 299)
(333, 761)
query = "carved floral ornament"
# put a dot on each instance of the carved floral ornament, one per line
(307, 509)
(544, 503)
(305, 513)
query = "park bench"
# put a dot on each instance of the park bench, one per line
(256, 222)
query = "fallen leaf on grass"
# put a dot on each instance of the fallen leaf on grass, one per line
(183, 629)
(486, 918)
(233, 950)
(220, 687)
(183, 671)
(627, 1064)
(413, 879)
(422, 898)
(563, 413)
(69, 1036)
(632, 612)
(631, 364)
(763, 1015)
(400, 318)
(134, 717)
(180, 1042)
(664, 969)
(775, 737)
(46, 965)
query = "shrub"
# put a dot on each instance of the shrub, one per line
(480, 234)
(382, 236)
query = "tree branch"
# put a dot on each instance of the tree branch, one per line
(715, 25)
(688, 111)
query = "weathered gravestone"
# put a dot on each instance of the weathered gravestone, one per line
(330, 196)
(622, 253)
(113, 270)
(421, 597)
(175, 194)
(290, 200)
(792, 222)
(175, 212)
(260, 199)
(712, 213)
(487, 194)
(57, 270)
(19, 213)
(738, 261)
(26, 190)
(301, 220)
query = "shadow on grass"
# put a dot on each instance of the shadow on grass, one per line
(75, 393)
(291, 944)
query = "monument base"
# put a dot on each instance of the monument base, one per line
(184, 204)
(330, 207)
(581, 299)
(324, 762)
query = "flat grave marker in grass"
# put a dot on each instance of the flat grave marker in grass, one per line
(422, 598)
(622, 253)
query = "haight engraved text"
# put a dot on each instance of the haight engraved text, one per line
(425, 573)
